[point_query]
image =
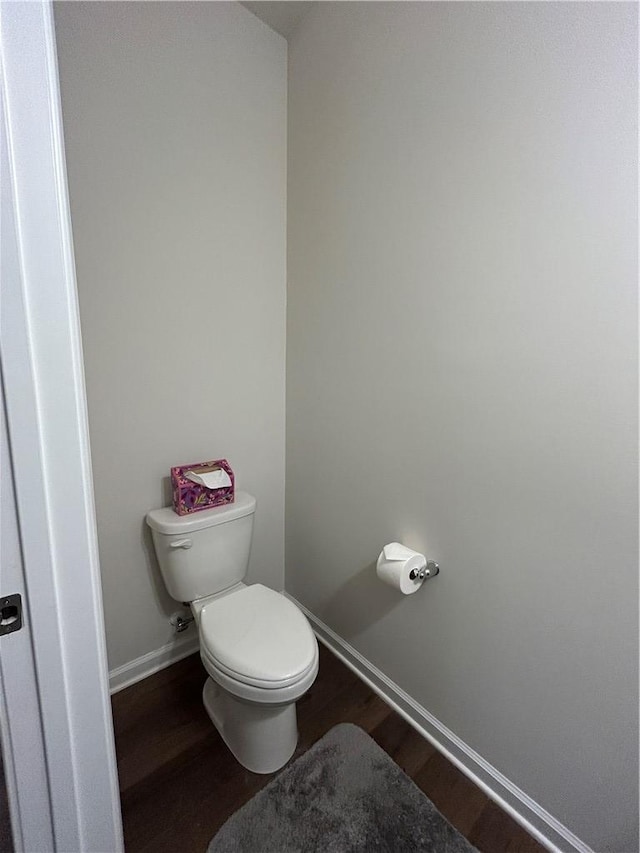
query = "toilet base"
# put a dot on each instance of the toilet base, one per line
(262, 737)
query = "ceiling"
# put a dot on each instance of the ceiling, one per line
(282, 17)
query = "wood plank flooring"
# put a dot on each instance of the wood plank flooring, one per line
(179, 783)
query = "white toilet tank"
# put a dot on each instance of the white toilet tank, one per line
(205, 552)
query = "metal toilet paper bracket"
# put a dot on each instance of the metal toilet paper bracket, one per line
(430, 570)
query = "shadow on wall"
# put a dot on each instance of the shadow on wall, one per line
(344, 612)
(167, 493)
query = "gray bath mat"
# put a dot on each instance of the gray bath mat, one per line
(345, 795)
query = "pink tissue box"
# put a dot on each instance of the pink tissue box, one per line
(189, 497)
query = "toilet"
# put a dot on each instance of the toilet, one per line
(257, 647)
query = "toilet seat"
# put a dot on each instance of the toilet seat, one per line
(258, 638)
(259, 695)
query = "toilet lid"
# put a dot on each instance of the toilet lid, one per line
(257, 636)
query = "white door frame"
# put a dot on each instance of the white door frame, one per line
(25, 765)
(42, 368)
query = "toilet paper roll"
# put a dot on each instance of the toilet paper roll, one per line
(396, 563)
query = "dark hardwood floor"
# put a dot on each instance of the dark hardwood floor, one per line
(179, 783)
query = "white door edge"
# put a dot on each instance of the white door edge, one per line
(46, 409)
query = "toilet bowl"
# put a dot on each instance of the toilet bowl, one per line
(261, 657)
(257, 647)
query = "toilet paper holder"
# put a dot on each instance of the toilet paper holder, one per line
(429, 570)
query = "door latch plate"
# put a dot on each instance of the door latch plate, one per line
(10, 614)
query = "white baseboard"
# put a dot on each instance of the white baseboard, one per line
(529, 814)
(127, 674)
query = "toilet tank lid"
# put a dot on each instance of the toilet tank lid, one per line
(166, 521)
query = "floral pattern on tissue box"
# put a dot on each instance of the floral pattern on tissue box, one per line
(189, 497)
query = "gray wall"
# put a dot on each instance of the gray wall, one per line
(462, 373)
(175, 133)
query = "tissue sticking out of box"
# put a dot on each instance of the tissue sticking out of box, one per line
(210, 478)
